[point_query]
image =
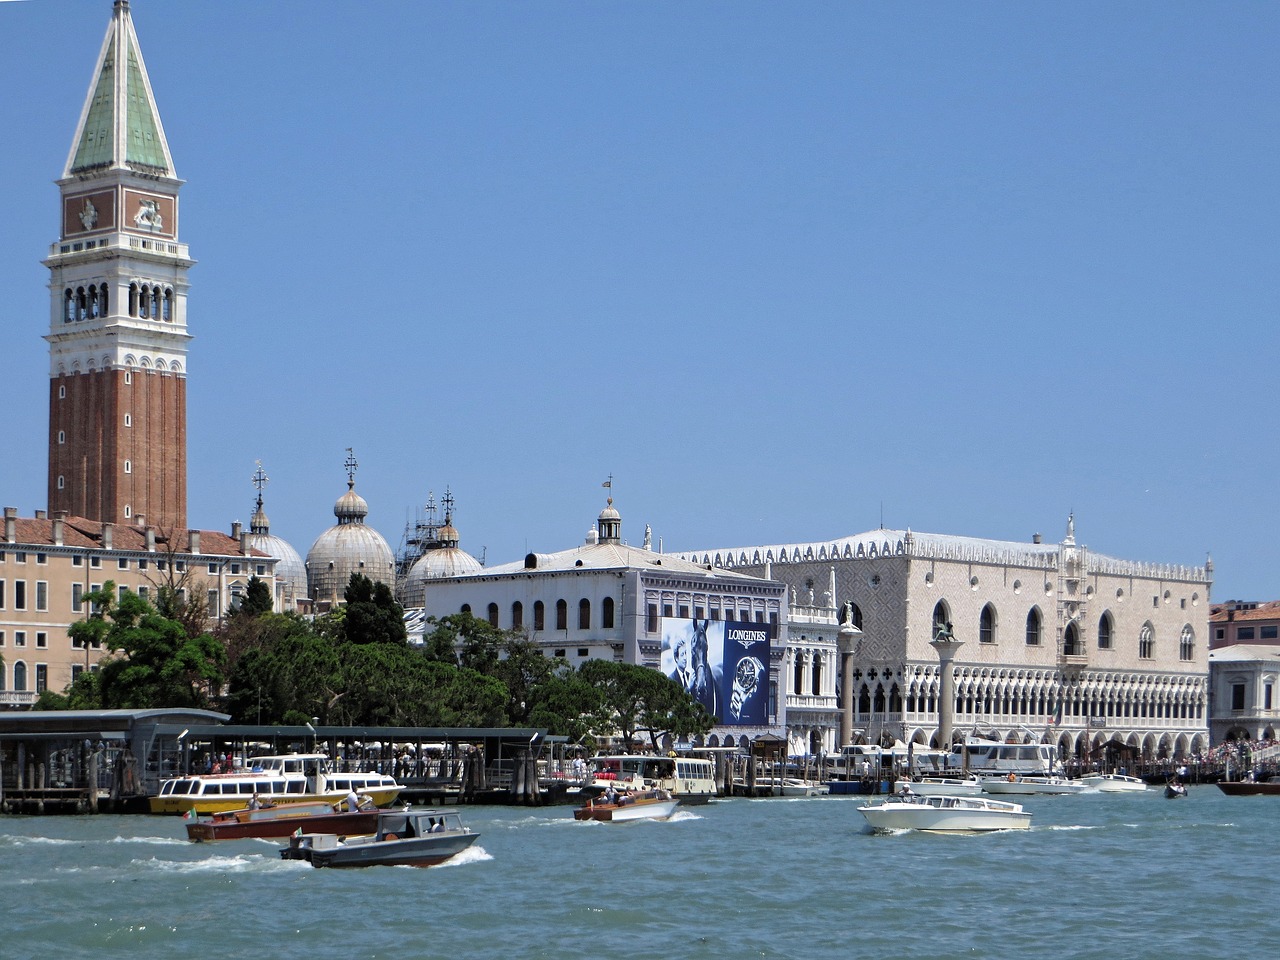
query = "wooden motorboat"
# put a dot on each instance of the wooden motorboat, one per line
(282, 819)
(1249, 788)
(635, 805)
(941, 814)
(410, 838)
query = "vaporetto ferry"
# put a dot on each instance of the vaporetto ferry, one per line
(691, 780)
(290, 778)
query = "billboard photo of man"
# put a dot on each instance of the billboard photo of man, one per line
(692, 653)
(723, 664)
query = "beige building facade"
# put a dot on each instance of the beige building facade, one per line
(47, 565)
(1058, 644)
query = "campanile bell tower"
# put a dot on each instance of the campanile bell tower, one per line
(118, 319)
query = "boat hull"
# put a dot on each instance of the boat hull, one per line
(619, 813)
(1026, 786)
(1244, 788)
(282, 821)
(1114, 783)
(176, 804)
(413, 852)
(946, 815)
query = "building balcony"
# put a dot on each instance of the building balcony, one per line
(17, 698)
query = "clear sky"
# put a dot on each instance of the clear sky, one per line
(785, 271)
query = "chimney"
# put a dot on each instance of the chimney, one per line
(42, 515)
(244, 544)
(57, 529)
(150, 534)
(1035, 538)
(108, 534)
(10, 524)
(235, 529)
(195, 540)
(140, 519)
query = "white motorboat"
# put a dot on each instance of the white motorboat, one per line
(944, 814)
(942, 786)
(792, 787)
(639, 805)
(1024, 785)
(1113, 783)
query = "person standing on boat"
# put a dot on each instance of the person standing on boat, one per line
(353, 800)
(254, 802)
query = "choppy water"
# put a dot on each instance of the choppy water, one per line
(1105, 876)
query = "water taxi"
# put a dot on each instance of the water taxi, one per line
(945, 814)
(289, 778)
(1025, 785)
(404, 838)
(1113, 783)
(281, 820)
(942, 786)
(690, 780)
(640, 805)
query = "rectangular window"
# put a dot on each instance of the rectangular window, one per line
(42, 677)
(1, 639)
(699, 613)
(122, 563)
(143, 591)
(142, 564)
(651, 619)
(76, 670)
(42, 594)
(560, 653)
(77, 597)
(235, 569)
(95, 562)
(19, 638)
(684, 612)
(19, 594)
(42, 558)
(212, 600)
(1237, 696)
(77, 561)
(584, 652)
(120, 592)
(42, 640)
(1, 594)
(180, 565)
(262, 569)
(20, 556)
(666, 609)
(1244, 633)
(1268, 633)
(1266, 696)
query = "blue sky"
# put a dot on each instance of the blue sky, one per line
(785, 271)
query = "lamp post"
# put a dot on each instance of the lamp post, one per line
(946, 644)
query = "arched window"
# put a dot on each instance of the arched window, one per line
(93, 301)
(584, 614)
(133, 299)
(1147, 642)
(168, 305)
(466, 608)
(797, 679)
(144, 303)
(19, 676)
(82, 304)
(941, 617)
(1033, 627)
(517, 615)
(562, 615)
(864, 700)
(155, 303)
(817, 675)
(606, 614)
(1072, 645)
(539, 615)
(987, 625)
(1105, 628)
(68, 306)
(1187, 643)
(493, 614)
(104, 307)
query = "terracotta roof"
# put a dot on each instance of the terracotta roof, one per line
(82, 532)
(1223, 612)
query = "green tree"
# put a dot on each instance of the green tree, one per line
(636, 699)
(372, 614)
(566, 705)
(160, 666)
(287, 670)
(256, 600)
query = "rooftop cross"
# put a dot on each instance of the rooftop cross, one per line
(351, 465)
(260, 480)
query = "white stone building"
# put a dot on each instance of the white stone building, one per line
(1061, 644)
(608, 599)
(1243, 694)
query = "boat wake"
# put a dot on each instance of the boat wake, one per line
(682, 815)
(473, 854)
(1068, 827)
(218, 864)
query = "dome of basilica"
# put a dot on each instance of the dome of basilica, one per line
(349, 546)
(446, 559)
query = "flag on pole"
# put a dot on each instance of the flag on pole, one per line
(1057, 715)
(190, 814)
(607, 483)
(298, 832)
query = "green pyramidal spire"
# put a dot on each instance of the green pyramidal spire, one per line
(120, 126)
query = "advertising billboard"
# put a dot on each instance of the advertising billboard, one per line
(724, 664)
